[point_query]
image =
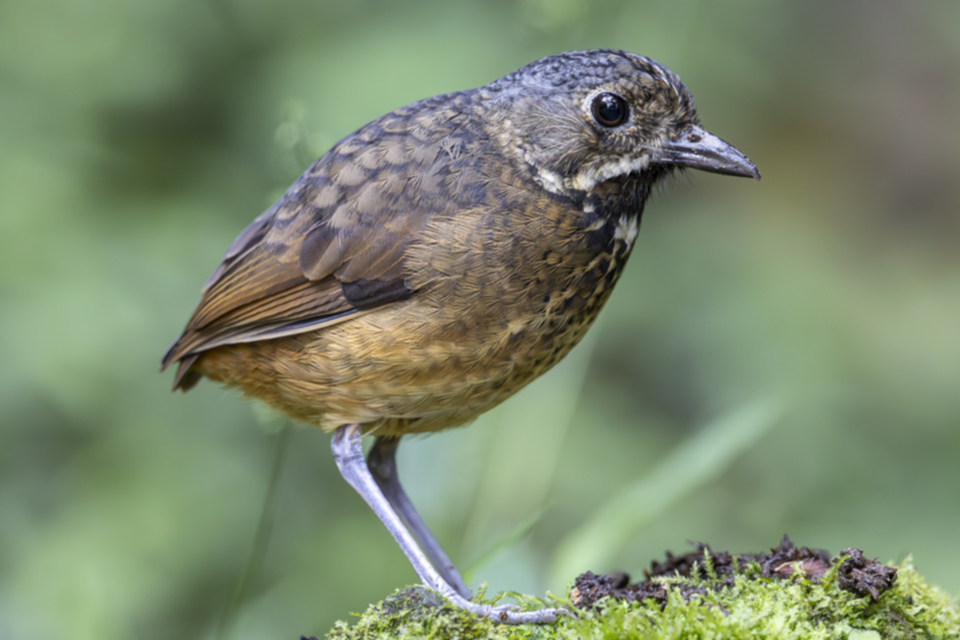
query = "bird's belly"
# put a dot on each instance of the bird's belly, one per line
(412, 367)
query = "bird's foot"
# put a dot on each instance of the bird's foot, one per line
(509, 613)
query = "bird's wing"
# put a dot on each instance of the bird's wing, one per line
(334, 244)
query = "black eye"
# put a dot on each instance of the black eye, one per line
(609, 109)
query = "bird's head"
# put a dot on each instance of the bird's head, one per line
(585, 117)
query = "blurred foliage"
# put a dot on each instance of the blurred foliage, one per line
(137, 139)
(688, 467)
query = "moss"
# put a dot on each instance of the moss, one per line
(751, 607)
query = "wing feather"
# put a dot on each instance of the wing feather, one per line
(334, 245)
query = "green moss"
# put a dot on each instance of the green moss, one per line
(752, 607)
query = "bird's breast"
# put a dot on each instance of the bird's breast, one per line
(521, 282)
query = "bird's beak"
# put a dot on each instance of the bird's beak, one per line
(699, 149)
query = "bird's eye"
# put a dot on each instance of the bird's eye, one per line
(609, 109)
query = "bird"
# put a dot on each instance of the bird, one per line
(440, 258)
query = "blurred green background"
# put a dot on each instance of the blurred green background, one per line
(137, 139)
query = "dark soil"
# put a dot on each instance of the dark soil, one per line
(862, 576)
(855, 573)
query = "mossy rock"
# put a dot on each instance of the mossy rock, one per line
(704, 601)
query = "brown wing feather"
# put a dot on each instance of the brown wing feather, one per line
(333, 245)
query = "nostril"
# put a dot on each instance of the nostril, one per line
(694, 137)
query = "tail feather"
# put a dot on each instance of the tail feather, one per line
(185, 378)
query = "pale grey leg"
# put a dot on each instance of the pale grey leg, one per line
(349, 457)
(382, 462)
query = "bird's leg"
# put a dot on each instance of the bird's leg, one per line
(382, 462)
(348, 453)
